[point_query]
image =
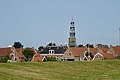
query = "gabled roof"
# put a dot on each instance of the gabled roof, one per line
(97, 54)
(104, 55)
(5, 51)
(116, 49)
(108, 56)
(93, 50)
(19, 52)
(77, 51)
(105, 50)
(37, 58)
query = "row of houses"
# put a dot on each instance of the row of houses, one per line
(86, 54)
(62, 53)
(81, 53)
(16, 54)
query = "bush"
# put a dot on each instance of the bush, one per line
(5, 59)
(51, 59)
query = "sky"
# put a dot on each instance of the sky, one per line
(35, 23)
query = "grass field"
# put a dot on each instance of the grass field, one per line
(91, 70)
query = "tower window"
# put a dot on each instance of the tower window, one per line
(72, 34)
(72, 28)
(72, 23)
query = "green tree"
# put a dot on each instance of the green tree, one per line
(40, 48)
(89, 45)
(80, 45)
(17, 45)
(54, 44)
(28, 53)
(51, 44)
(5, 59)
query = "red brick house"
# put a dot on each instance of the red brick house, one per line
(80, 54)
(37, 57)
(74, 54)
(15, 54)
(115, 50)
(89, 54)
(101, 56)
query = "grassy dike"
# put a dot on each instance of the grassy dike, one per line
(90, 70)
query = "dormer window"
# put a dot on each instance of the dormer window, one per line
(51, 51)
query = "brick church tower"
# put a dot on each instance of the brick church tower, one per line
(72, 38)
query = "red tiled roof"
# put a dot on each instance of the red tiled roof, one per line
(37, 58)
(105, 50)
(20, 54)
(77, 51)
(93, 50)
(5, 51)
(116, 49)
(108, 56)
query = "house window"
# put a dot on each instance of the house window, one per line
(51, 51)
(98, 57)
(69, 54)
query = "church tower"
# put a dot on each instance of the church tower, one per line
(72, 38)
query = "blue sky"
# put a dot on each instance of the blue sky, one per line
(37, 22)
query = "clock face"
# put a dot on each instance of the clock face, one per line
(72, 42)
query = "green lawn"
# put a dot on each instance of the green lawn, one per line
(91, 70)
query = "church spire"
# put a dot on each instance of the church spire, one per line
(72, 22)
(72, 38)
(72, 28)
